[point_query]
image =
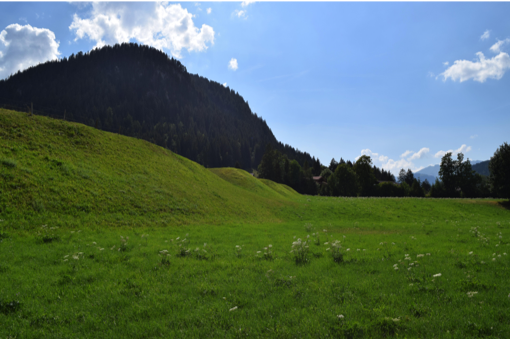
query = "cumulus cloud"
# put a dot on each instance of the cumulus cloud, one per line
(496, 48)
(396, 165)
(462, 149)
(446, 63)
(369, 153)
(246, 3)
(473, 136)
(161, 25)
(406, 153)
(233, 64)
(225, 84)
(24, 46)
(479, 70)
(485, 35)
(209, 10)
(420, 154)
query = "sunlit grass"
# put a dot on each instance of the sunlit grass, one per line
(104, 236)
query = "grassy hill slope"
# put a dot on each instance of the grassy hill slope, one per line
(53, 171)
(58, 167)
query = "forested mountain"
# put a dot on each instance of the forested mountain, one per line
(482, 168)
(139, 91)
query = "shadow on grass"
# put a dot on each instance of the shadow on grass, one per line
(505, 204)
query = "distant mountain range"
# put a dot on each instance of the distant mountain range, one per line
(432, 172)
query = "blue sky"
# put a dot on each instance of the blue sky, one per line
(402, 82)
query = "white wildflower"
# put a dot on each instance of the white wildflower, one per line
(437, 275)
(75, 257)
(348, 249)
(270, 246)
(470, 253)
(327, 249)
(340, 316)
(94, 243)
(420, 255)
(471, 294)
(326, 243)
(233, 309)
(427, 254)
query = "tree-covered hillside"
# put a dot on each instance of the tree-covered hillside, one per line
(139, 91)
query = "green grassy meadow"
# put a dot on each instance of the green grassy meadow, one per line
(105, 236)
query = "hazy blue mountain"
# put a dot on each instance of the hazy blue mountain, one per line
(422, 177)
(482, 168)
(432, 172)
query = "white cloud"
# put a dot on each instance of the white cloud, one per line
(485, 35)
(233, 64)
(209, 10)
(420, 154)
(462, 149)
(496, 48)
(480, 70)
(406, 153)
(446, 63)
(161, 25)
(395, 166)
(24, 46)
(369, 153)
(225, 84)
(240, 13)
(473, 136)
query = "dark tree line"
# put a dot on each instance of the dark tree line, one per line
(458, 179)
(338, 179)
(140, 92)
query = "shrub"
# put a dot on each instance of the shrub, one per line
(300, 251)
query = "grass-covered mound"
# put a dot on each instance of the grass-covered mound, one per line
(52, 166)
